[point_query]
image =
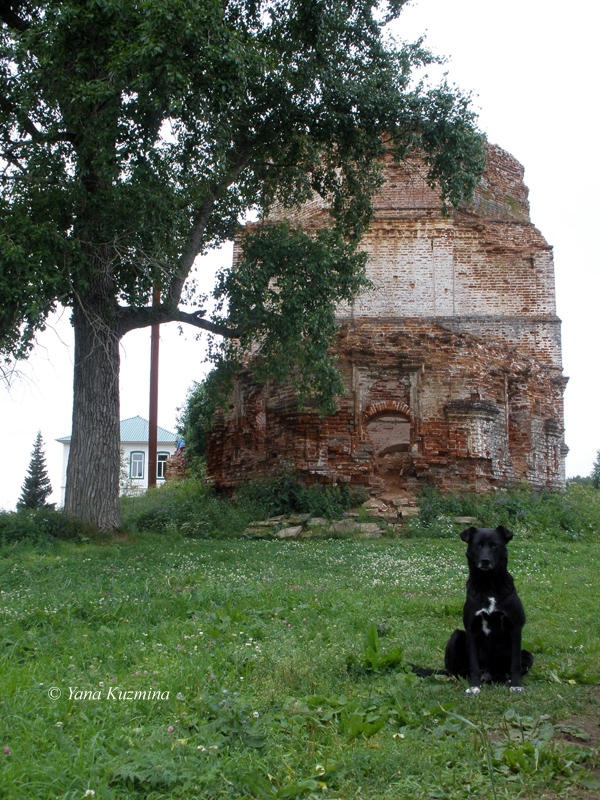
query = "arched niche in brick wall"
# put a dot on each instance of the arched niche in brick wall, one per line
(389, 433)
(388, 427)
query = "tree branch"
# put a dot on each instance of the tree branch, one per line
(12, 161)
(199, 223)
(130, 319)
(37, 136)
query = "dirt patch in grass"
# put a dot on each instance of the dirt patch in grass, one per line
(582, 730)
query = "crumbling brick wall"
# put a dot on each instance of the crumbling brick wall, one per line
(176, 467)
(451, 363)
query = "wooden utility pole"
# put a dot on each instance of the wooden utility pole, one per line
(153, 414)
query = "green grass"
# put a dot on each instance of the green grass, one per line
(261, 648)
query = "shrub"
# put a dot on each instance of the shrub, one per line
(284, 493)
(193, 509)
(595, 473)
(43, 524)
(188, 507)
(570, 513)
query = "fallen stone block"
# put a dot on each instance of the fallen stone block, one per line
(375, 504)
(289, 533)
(369, 529)
(344, 526)
(317, 522)
(297, 519)
(265, 523)
(386, 516)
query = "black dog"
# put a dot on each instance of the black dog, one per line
(489, 649)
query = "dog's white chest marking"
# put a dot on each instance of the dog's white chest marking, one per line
(486, 612)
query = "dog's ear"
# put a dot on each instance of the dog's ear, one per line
(467, 534)
(505, 533)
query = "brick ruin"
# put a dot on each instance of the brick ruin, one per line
(452, 363)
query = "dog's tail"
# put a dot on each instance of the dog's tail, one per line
(423, 672)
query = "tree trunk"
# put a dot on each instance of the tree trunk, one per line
(92, 491)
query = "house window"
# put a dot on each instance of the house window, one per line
(136, 465)
(161, 465)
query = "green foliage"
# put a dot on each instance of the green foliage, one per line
(263, 788)
(365, 722)
(284, 493)
(595, 473)
(374, 658)
(196, 415)
(264, 101)
(194, 509)
(127, 486)
(572, 513)
(193, 422)
(526, 747)
(283, 293)
(579, 480)
(188, 507)
(40, 525)
(36, 486)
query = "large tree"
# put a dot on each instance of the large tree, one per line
(135, 135)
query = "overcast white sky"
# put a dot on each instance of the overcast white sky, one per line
(533, 67)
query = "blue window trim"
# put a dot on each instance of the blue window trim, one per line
(158, 462)
(131, 455)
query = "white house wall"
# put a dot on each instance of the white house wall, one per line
(134, 485)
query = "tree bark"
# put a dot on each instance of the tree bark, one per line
(92, 491)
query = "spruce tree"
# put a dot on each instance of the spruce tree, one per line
(36, 486)
(595, 474)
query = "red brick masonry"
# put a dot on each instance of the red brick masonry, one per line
(452, 363)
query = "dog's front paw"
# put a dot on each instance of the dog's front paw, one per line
(517, 689)
(472, 691)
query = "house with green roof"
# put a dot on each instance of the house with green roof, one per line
(134, 455)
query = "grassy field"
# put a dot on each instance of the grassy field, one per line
(168, 667)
